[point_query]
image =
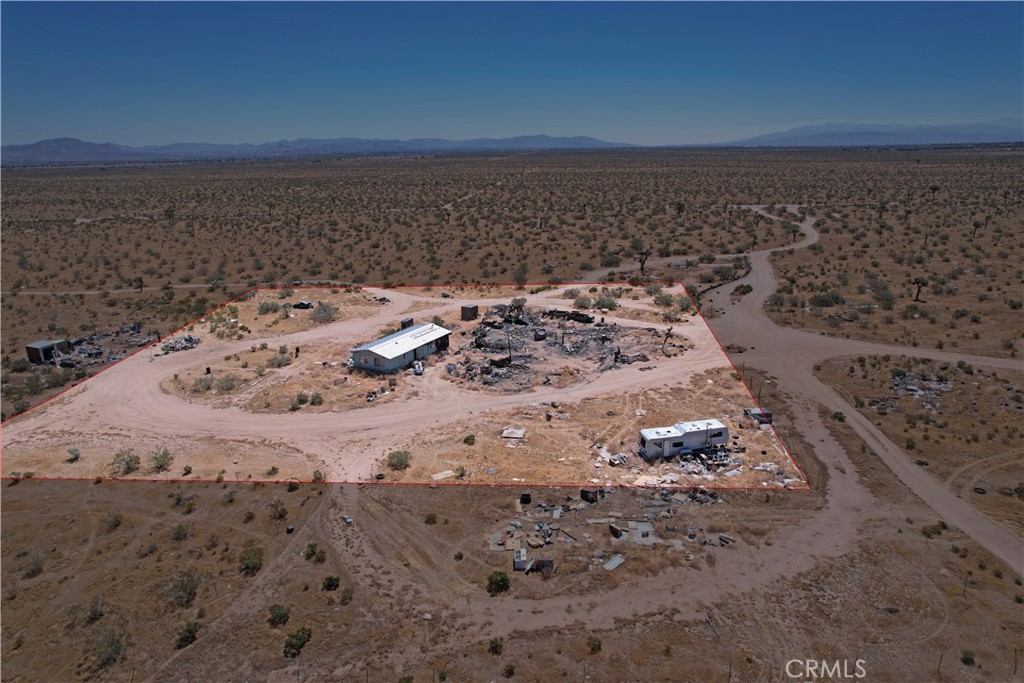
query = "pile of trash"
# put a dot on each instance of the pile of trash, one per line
(185, 343)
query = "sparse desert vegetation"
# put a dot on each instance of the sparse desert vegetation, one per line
(919, 249)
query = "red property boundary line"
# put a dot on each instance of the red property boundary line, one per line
(253, 290)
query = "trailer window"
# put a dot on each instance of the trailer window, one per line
(677, 444)
(643, 442)
(716, 435)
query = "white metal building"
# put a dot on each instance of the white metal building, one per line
(682, 438)
(401, 349)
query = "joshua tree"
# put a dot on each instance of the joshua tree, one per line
(921, 284)
(641, 257)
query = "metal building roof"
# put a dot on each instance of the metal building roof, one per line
(43, 344)
(404, 341)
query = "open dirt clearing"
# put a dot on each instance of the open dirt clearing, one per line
(151, 401)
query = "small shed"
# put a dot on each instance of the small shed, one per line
(47, 350)
(470, 312)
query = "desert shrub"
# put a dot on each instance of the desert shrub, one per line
(469, 439)
(73, 455)
(330, 583)
(228, 383)
(302, 398)
(125, 462)
(498, 582)
(606, 302)
(316, 399)
(161, 460)
(183, 587)
(741, 290)
(285, 293)
(324, 312)
(112, 521)
(581, 302)
(277, 510)
(430, 518)
(509, 671)
(967, 657)
(571, 293)
(652, 289)
(594, 644)
(251, 560)
(202, 384)
(310, 552)
(496, 646)
(319, 476)
(108, 645)
(278, 615)
(279, 360)
(295, 641)
(95, 611)
(187, 635)
(34, 567)
(20, 365)
(398, 460)
(827, 299)
(663, 299)
(346, 595)
(179, 533)
(269, 307)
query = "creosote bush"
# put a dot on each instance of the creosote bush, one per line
(398, 460)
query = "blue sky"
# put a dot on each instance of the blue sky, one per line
(653, 73)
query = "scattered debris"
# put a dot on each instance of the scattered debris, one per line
(613, 563)
(183, 344)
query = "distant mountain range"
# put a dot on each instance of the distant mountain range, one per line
(864, 134)
(75, 151)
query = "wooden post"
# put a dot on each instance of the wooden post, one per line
(938, 669)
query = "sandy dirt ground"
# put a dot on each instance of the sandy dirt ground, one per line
(145, 402)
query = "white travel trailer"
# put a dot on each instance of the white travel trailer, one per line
(682, 438)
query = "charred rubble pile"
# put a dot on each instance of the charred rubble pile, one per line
(509, 342)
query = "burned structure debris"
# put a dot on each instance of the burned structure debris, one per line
(513, 347)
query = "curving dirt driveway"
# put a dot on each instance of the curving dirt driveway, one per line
(127, 398)
(791, 354)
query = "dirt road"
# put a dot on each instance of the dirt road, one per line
(790, 354)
